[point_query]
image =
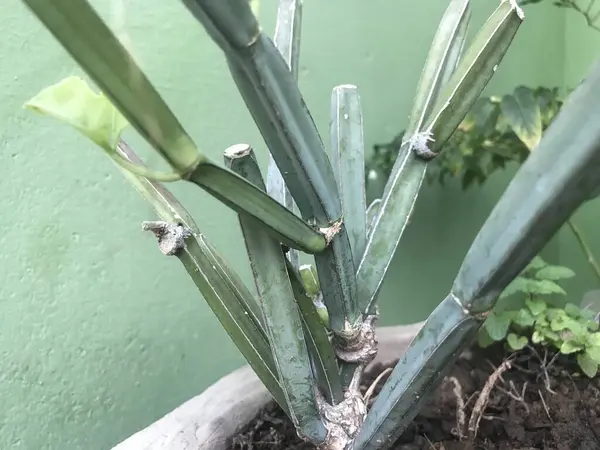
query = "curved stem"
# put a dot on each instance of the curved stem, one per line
(585, 248)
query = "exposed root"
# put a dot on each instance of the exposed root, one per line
(461, 418)
(483, 399)
(513, 393)
(371, 389)
(544, 366)
(171, 236)
(545, 406)
(343, 421)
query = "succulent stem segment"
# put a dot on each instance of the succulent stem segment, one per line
(559, 176)
(271, 94)
(287, 41)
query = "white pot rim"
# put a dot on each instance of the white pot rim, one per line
(209, 420)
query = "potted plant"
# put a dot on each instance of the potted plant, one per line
(308, 332)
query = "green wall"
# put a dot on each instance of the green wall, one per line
(100, 334)
(581, 51)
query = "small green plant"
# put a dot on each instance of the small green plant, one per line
(497, 131)
(568, 330)
(313, 201)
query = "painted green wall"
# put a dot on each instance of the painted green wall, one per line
(100, 334)
(581, 52)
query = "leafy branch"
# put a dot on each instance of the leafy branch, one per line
(497, 132)
(591, 17)
(570, 330)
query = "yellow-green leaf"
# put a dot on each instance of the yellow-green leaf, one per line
(587, 364)
(74, 103)
(516, 342)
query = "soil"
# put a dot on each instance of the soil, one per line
(527, 400)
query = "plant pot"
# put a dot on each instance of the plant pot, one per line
(209, 420)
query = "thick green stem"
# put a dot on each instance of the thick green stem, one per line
(281, 314)
(558, 177)
(276, 104)
(287, 41)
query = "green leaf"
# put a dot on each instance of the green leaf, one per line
(573, 310)
(539, 287)
(564, 322)
(554, 273)
(594, 353)
(524, 318)
(73, 102)
(519, 284)
(522, 112)
(81, 31)
(536, 263)
(594, 339)
(587, 364)
(570, 346)
(516, 342)
(483, 338)
(497, 325)
(537, 337)
(536, 306)
(281, 314)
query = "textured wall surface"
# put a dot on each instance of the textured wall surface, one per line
(100, 334)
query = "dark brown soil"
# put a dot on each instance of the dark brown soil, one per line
(534, 404)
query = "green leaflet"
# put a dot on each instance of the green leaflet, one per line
(80, 30)
(522, 112)
(72, 101)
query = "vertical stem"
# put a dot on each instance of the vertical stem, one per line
(585, 248)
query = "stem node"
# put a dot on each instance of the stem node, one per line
(360, 346)
(171, 236)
